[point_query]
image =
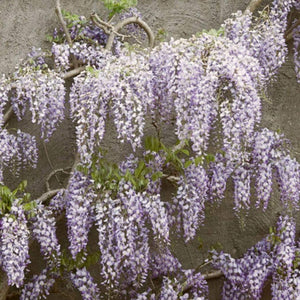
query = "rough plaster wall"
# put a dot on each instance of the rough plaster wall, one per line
(24, 24)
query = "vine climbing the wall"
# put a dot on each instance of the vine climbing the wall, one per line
(209, 88)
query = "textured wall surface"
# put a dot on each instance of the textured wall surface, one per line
(25, 23)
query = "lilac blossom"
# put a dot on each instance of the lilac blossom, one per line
(79, 212)
(123, 237)
(296, 48)
(4, 90)
(241, 178)
(61, 53)
(90, 55)
(131, 95)
(9, 148)
(40, 285)
(190, 199)
(84, 282)
(58, 203)
(164, 263)
(44, 231)
(266, 150)
(14, 248)
(88, 100)
(44, 92)
(288, 177)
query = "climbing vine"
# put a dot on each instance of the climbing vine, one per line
(209, 88)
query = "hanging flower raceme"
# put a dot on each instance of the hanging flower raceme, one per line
(267, 149)
(89, 98)
(79, 212)
(296, 48)
(14, 249)
(40, 285)
(189, 202)
(275, 256)
(44, 231)
(131, 95)
(44, 92)
(84, 282)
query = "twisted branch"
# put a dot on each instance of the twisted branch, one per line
(123, 23)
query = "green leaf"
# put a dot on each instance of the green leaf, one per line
(198, 160)
(185, 151)
(155, 176)
(187, 163)
(152, 143)
(209, 158)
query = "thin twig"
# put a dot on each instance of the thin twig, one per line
(53, 173)
(65, 29)
(51, 166)
(253, 5)
(63, 23)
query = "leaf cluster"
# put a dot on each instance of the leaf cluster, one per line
(117, 6)
(8, 197)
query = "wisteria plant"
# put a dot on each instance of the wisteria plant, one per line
(209, 89)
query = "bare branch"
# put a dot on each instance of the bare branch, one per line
(107, 27)
(50, 194)
(213, 275)
(8, 115)
(65, 29)
(123, 23)
(253, 5)
(63, 23)
(73, 72)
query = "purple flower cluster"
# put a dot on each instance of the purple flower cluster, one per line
(44, 231)
(89, 55)
(58, 203)
(123, 237)
(39, 287)
(296, 48)
(84, 282)
(288, 177)
(8, 146)
(61, 53)
(27, 153)
(195, 104)
(79, 211)
(241, 178)
(273, 256)
(131, 94)
(14, 249)
(190, 200)
(266, 149)
(89, 97)
(164, 263)
(44, 92)
(4, 90)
